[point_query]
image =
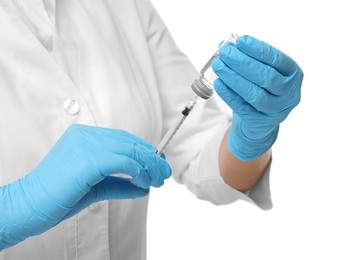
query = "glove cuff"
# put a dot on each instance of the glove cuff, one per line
(247, 149)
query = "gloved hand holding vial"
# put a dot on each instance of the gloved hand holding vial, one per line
(261, 85)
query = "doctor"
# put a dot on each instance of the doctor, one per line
(88, 88)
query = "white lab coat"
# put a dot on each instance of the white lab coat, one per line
(110, 63)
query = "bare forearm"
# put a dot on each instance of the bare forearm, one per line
(239, 174)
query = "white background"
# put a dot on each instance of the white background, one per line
(311, 174)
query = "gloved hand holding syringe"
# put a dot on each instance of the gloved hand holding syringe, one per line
(203, 87)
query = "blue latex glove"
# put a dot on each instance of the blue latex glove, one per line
(74, 174)
(261, 85)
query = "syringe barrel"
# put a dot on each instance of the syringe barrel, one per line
(172, 131)
(176, 125)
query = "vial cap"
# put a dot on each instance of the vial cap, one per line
(201, 89)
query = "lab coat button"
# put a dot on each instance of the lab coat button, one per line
(71, 107)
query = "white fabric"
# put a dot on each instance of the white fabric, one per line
(118, 63)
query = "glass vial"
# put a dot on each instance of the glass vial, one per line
(203, 86)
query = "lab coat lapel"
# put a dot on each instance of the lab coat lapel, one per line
(21, 47)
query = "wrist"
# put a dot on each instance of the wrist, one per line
(248, 145)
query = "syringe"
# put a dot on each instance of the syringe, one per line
(176, 125)
(203, 87)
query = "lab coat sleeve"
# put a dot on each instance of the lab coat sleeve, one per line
(193, 152)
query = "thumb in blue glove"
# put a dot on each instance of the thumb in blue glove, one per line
(76, 173)
(262, 85)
